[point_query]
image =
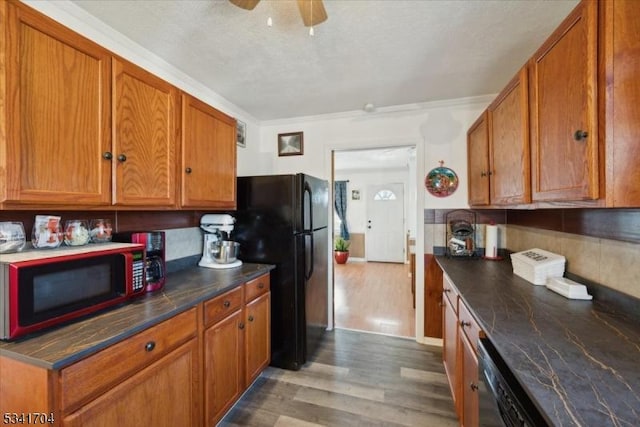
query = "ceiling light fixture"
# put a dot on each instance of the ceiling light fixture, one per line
(311, 11)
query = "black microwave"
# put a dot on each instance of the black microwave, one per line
(42, 288)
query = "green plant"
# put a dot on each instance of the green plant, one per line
(341, 245)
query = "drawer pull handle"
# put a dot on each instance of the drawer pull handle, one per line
(150, 346)
(260, 285)
(463, 323)
(250, 318)
(473, 386)
(227, 304)
(241, 325)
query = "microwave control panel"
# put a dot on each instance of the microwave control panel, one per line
(139, 274)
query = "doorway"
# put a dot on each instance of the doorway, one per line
(372, 291)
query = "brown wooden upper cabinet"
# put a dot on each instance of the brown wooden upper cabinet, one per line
(478, 161)
(58, 90)
(564, 120)
(145, 120)
(509, 159)
(208, 156)
(619, 91)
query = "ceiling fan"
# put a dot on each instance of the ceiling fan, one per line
(312, 11)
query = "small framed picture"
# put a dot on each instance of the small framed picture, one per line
(355, 194)
(290, 144)
(241, 134)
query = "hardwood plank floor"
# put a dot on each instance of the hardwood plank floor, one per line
(374, 297)
(355, 379)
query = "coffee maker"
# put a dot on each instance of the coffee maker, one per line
(218, 251)
(155, 264)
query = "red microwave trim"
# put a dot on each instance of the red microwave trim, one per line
(15, 330)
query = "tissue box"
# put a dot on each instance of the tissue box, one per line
(537, 265)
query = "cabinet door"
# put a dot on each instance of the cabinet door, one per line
(223, 356)
(432, 298)
(470, 403)
(564, 133)
(509, 158)
(58, 110)
(258, 338)
(621, 92)
(144, 146)
(478, 161)
(450, 349)
(163, 394)
(208, 170)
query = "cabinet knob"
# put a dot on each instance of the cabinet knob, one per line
(446, 290)
(226, 304)
(473, 386)
(122, 158)
(463, 323)
(187, 170)
(250, 318)
(241, 325)
(483, 174)
(150, 346)
(260, 285)
(580, 135)
(107, 155)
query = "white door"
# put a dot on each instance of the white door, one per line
(384, 237)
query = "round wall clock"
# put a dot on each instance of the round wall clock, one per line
(441, 181)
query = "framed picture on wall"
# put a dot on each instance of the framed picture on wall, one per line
(290, 144)
(241, 134)
(355, 194)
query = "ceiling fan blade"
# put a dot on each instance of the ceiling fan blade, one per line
(312, 12)
(245, 4)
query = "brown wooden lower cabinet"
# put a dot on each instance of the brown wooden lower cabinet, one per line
(432, 297)
(186, 371)
(460, 357)
(163, 394)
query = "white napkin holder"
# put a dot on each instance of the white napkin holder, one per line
(568, 288)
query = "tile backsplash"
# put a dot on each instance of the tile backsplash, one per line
(183, 242)
(611, 263)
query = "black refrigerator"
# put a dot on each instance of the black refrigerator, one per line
(282, 220)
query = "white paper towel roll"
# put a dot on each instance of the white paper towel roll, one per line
(491, 241)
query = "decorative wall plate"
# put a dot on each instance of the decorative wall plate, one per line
(441, 181)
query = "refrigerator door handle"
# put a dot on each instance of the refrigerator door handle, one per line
(309, 273)
(307, 189)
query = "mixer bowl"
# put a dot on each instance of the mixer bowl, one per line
(225, 252)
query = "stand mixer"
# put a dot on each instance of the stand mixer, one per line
(217, 250)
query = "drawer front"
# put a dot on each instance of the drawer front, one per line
(221, 306)
(468, 325)
(96, 374)
(256, 287)
(449, 291)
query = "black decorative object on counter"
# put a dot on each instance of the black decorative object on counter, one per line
(460, 233)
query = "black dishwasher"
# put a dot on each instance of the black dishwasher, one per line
(502, 400)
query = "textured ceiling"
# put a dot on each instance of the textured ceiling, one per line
(386, 52)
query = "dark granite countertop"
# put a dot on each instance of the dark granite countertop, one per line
(578, 360)
(58, 347)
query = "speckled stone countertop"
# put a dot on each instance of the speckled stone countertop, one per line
(578, 360)
(60, 346)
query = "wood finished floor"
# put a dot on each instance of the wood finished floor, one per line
(355, 379)
(374, 297)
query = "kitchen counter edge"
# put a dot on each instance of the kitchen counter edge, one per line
(61, 346)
